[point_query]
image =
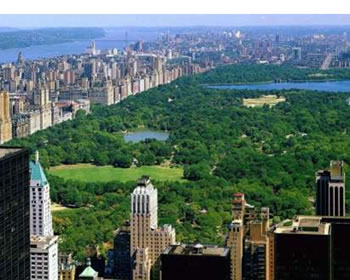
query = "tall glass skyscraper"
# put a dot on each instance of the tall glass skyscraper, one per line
(14, 214)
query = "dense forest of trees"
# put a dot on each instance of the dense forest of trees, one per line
(270, 154)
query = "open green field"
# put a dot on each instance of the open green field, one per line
(270, 100)
(92, 173)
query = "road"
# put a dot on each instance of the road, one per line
(327, 62)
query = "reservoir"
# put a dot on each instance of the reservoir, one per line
(143, 134)
(330, 86)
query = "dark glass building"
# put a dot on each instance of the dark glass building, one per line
(340, 232)
(122, 253)
(330, 190)
(313, 247)
(200, 262)
(14, 214)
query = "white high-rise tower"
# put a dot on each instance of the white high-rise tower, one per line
(40, 203)
(43, 243)
(147, 240)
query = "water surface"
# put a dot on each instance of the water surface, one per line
(330, 86)
(143, 134)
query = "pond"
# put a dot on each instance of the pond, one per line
(146, 133)
(330, 86)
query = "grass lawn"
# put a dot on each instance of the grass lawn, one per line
(57, 207)
(91, 173)
(270, 100)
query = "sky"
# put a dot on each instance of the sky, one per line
(35, 21)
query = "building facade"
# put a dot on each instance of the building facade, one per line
(14, 214)
(147, 240)
(66, 267)
(330, 190)
(188, 262)
(43, 246)
(5, 118)
(256, 248)
(235, 236)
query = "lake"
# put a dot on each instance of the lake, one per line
(143, 134)
(330, 86)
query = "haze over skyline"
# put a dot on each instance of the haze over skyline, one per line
(35, 21)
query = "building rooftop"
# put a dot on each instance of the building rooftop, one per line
(144, 186)
(37, 172)
(306, 225)
(4, 151)
(88, 272)
(42, 242)
(197, 250)
(337, 169)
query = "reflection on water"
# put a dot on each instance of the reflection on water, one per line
(331, 86)
(141, 135)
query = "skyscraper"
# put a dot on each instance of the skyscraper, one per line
(14, 214)
(312, 247)
(43, 244)
(302, 250)
(189, 262)
(147, 240)
(235, 236)
(122, 253)
(256, 248)
(330, 184)
(249, 241)
(5, 118)
(297, 54)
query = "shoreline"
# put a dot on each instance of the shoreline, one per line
(273, 82)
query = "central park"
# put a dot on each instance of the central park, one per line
(216, 146)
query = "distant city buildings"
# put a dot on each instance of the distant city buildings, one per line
(14, 214)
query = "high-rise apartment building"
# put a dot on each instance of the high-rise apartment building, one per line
(43, 244)
(40, 202)
(5, 118)
(147, 240)
(249, 241)
(235, 236)
(14, 214)
(256, 248)
(189, 262)
(330, 190)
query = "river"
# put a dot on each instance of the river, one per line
(115, 38)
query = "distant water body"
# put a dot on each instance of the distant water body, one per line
(143, 134)
(113, 39)
(330, 86)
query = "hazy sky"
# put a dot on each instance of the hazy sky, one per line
(169, 20)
